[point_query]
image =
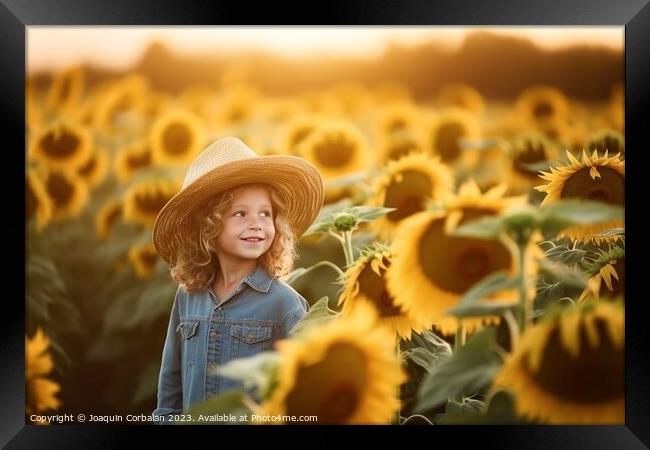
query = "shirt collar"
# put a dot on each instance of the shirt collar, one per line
(258, 279)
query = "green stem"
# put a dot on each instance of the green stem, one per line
(459, 340)
(513, 328)
(524, 313)
(347, 248)
(329, 264)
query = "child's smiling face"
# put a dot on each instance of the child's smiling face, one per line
(248, 228)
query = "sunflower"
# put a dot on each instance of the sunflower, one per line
(392, 147)
(66, 90)
(598, 177)
(570, 369)
(123, 105)
(344, 372)
(609, 268)
(543, 106)
(176, 138)
(40, 392)
(143, 258)
(354, 97)
(62, 145)
(444, 134)
(144, 200)
(407, 184)
(237, 106)
(67, 191)
(365, 283)
(606, 140)
(529, 149)
(132, 158)
(94, 171)
(396, 120)
(107, 217)
(295, 132)
(432, 269)
(462, 96)
(336, 149)
(38, 203)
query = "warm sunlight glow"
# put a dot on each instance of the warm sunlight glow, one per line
(119, 47)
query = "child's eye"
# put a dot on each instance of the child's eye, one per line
(239, 213)
(267, 213)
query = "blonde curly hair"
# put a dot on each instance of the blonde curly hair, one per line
(195, 261)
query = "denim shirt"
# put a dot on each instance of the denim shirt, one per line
(205, 332)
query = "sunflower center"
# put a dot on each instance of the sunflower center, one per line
(595, 376)
(148, 258)
(113, 215)
(455, 264)
(299, 135)
(473, 262)
(139, 160)
(89, 167)
(59, 189)
(543, 110)
(323, 389)
(373, 287)
(407, 195)
(151, 202)
(446, 140)
(610, 187)
(529, 155)
(176, 139)
(60, 145)
(335, 153)
(401, 148)
(397, 125)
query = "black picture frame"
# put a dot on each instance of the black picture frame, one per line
(633, 15)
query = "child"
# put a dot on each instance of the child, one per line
(228, 235)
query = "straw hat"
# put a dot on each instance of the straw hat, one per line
(227, 163)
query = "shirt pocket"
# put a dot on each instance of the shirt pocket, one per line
(247, 340)
(188, 330)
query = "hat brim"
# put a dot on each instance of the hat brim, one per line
(296, 180)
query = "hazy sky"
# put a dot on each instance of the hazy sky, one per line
(119, 47)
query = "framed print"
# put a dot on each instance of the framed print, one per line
(412, 216)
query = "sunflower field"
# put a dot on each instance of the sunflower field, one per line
(467, 267)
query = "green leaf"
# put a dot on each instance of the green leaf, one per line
(565, 254)
(465, 373)
(426, 349)
(228, 408)
(559, 215)
(318, 314)
(255, 372)
(499, 410)
(611, 232)
(484, 228)
(482, 308)
(567, 275)
(489, 285)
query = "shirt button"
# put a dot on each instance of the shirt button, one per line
(213, 334)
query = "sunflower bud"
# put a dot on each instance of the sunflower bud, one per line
(345, 222)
